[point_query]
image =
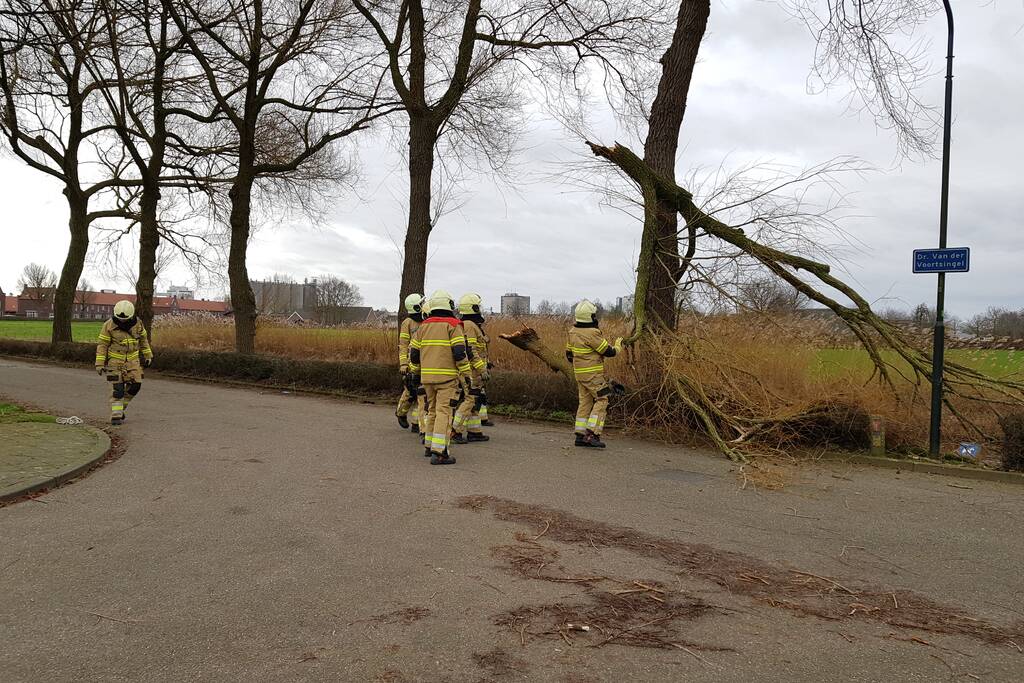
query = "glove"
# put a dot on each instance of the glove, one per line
(100, 370)
(485, 375)
(490, 365)
(146, 362)
(404, 370)
(618, 345)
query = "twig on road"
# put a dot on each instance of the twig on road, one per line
(633, 628)
(848, 638)
(104, 616)
(823, 578)
(547, 525)
(794, 514)
(691, 652)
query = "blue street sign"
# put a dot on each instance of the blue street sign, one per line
(954, 260)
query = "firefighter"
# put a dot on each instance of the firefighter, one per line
(411, 402)
(586, 350)
(122, 339)
(467, 420)
(440, 362)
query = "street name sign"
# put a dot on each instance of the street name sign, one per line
(953, 260)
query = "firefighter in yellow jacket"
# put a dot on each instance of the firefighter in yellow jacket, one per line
(440, 362)
(586, 350)
(411, 402)
(467, 420)
(121, 354)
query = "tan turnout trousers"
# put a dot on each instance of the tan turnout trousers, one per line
(437, 427)
(594, 392)
(416, 410)
(467, 417)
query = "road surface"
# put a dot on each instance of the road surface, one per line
(253, 535)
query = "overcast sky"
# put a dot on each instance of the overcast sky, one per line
(749, 103)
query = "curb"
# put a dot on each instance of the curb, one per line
(927, 468)
(52, 481)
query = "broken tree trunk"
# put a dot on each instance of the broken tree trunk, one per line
(528, 340)
(874, 334)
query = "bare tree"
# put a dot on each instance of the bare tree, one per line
(769, 295)
(145, 80)
(453, 66)
(284, 80)
(332, 296)
(774, 236)
(36, 276)
(923, 316)
(660, 148)
(47, 94)
(85, 294)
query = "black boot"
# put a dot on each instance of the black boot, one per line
(486, 423)
(581, 440)
(427, 453)
(403, 422)
(415, 428)
(477, 437)
(457, 438)
(594, 440)
(442, 458)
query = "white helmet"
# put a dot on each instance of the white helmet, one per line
(441, 300)
(586, 312)
(413, 303)
(124, 310)
(469, 304)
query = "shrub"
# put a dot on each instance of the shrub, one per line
(1013, 441)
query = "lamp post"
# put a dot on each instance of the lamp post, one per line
(939, 339)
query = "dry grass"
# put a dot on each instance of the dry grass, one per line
(370, 344)
(751, 366)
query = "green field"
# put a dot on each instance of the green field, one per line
(992, 363)
(40, 330)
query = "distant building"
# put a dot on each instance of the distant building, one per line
(38, 303)
(341, 316)
(179, 291)
(285, 298)
(515, 304)
(624, 304)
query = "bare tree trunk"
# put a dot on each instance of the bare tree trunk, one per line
(422, 138)
(243, 302)
(149, 242)
(64, 296)
(667, 111)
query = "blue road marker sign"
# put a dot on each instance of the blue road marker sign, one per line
(969, 450)
(953, 260)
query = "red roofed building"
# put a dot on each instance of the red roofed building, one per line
(8, 304)
(38, 303)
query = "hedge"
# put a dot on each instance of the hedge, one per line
(528, 391)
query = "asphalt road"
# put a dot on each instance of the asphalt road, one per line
(261, 536)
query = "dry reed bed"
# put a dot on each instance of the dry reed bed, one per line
(753, 366)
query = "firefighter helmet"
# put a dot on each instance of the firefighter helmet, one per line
(413, 303)
(586, 312)
(470, 304)
(441, 300)
(124, 310)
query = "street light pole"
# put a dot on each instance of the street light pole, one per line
(939, 338)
